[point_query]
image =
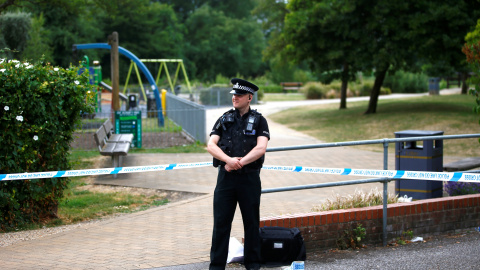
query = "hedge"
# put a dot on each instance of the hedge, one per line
(39, 107)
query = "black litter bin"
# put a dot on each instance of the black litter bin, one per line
(434, 86)
(132, 101)
(424, 155)
(178, 88)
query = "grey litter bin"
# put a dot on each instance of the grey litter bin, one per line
(426, 155)
(434, 86)
(151, 105)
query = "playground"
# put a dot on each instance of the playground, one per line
(156, 128)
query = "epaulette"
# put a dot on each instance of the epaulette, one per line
(229, 111)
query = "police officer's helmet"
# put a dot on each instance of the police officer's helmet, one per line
(242, 87)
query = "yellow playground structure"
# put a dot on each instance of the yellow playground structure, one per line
(163, 65)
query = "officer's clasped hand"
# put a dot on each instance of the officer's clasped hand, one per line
(233, 164)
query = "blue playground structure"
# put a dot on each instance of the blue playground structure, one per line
(139, 63)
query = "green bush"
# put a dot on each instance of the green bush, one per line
(39, 107)
(260, 94)
(315, 90)
(406, 82)
(442, 84)
(366, 88)
(271, 88)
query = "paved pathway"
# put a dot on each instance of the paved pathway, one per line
(179, 233)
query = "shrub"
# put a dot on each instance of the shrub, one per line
(358, 199)
(366, 88)
(406, 82)
(271, 88)
(300, 75)
(352, 239)
(39, 107)
(260, 94)
(220, 79)
(315, 90)
(461, 188)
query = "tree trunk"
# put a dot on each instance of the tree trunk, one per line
(343, 90)
(372, 104)
(464, 76)
(113, 42)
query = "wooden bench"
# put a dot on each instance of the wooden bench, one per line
(292, 86)
(110, 144)
(462, 165)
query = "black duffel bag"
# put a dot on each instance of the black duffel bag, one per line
(281, 246)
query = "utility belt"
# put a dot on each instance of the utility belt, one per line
(240, 171)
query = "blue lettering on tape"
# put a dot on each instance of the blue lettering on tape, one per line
(456, 176)
(59, 174)
(170, 167)
(116, 170)
(298, 169)
(399, 174)
(346, 171)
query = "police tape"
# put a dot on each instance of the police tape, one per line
(393, 174)
(103, 171)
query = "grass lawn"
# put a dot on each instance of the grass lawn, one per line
(450, 113)
(83, 204)
(283, 97)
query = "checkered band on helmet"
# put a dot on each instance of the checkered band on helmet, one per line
(243, 87)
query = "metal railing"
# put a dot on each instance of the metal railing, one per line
(189, 115)
(383, 180)
(217, 97)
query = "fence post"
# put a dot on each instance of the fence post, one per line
(385, 192)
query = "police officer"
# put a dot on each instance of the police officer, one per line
(238, 143)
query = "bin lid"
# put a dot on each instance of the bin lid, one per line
(418, 133)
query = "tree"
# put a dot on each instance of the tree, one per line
(14, 28)
(272, 14)
(183, 8)
(231, 8)
(474, 36)
(65, 22)
(394, 34)
(471, 49)
(7, 4)
(155, 33)
(217, 44)
(375, 35)
(447, 23)
(328, 36)
(37, 47)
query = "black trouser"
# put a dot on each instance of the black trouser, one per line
(244, 188)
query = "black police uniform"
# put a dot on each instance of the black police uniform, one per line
(237, 138)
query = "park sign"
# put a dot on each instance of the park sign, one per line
(130, 122)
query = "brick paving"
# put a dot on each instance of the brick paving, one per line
(179, 233)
